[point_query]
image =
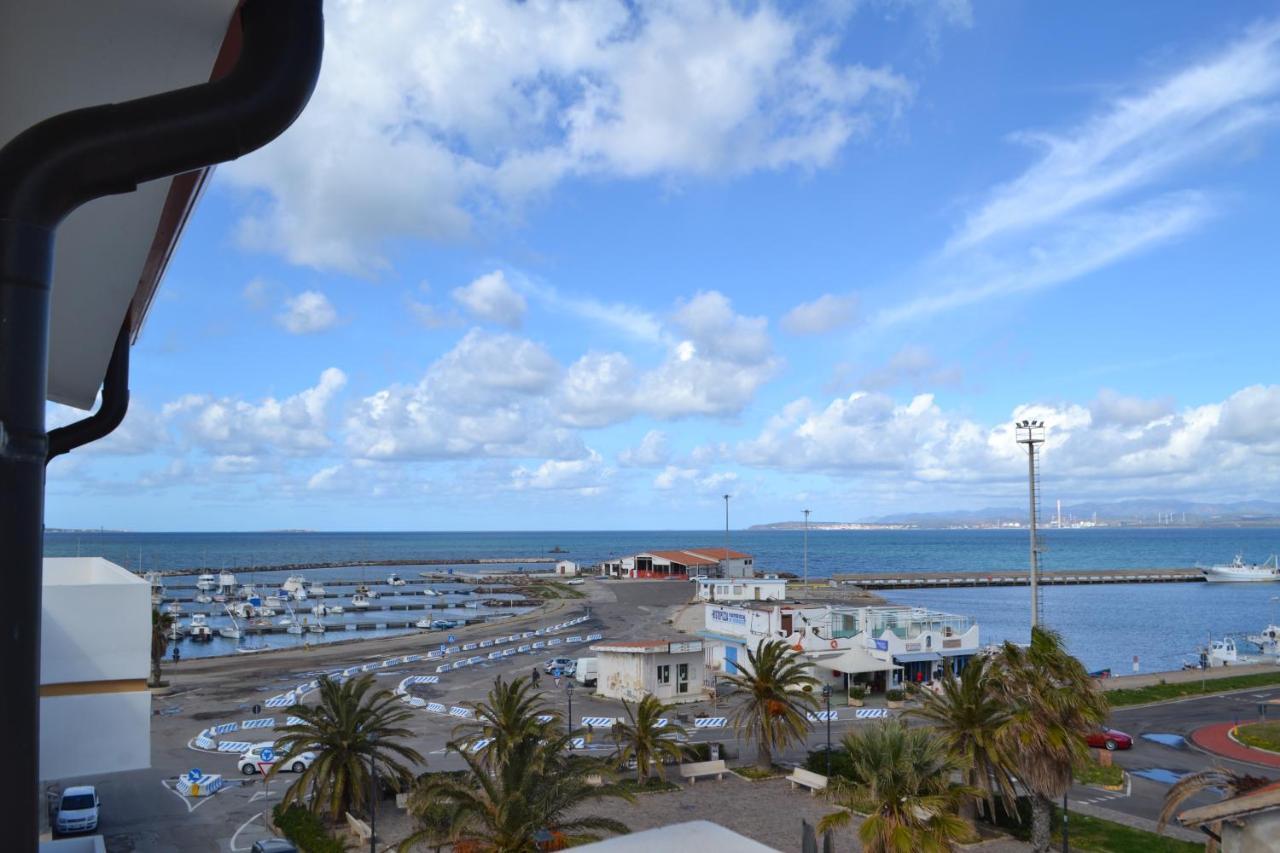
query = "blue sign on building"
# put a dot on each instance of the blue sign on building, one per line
(882, 645)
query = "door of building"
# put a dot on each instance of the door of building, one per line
(682, 678)
(730, 660)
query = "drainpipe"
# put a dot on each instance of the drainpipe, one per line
(115, 402)
(46, 172)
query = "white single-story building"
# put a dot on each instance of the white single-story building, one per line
(681, 565)
(95, 659)
(741, 589)
(567, 568)
(1248, 823)
(671, 670)
(877, 646)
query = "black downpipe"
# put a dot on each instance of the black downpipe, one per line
(115, 403)
(45, 173)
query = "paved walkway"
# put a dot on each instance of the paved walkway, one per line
(1184, 676)
(1216, 738)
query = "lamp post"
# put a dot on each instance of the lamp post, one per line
(826, 695)
(1031, 434)
(726, 527)
(1066, 832)
(568, 691)
(373, 795)
(806, 550)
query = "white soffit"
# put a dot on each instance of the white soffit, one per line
(59, 55)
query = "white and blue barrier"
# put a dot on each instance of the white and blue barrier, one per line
(478, 745)
(234, 746)
(546, 718)
(193, 783)
(223, 728)
(870, 713)
(455, 711)
(821, 716)
(203, 741)
(485, 644)
(264, 723)
(295, 721)
(710, 722)
(578, 743)
(555, 641)
(284, 700)
(435, 708)
(598, 722)
(591, 638)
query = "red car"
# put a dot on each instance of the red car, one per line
(1108, 739)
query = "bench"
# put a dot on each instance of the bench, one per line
(815, 782)
(693, 769)
(358, 828)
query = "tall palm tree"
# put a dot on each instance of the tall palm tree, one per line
(968, 714)
(1232, 784)
(901, 777)
(1052, 702)
(353, 726)
(772, 710)
(509, 714)
(644, 739)
(508, 806)
(161, 625)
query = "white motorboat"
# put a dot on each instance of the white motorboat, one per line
(294, 587)
(1226, 652)
(241, 609)
(175, 631)
(206, 582)
(360, 600)
(316, 589)
(157, 587)
(316, 627)
(198, 628)
(429, 591)
(394, 579)
(335, 609)
(174, 607)
(423, 623)
(1268, 639)
(248, 592)
(293, 629)
(273, 602)
(204, 598)
(226, 583)
(1238, 571)
(232, 631)
(319, 609)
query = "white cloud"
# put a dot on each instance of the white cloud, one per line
(1139, 138)
(651, 452)
(584, 476)
(490, 298)
(827, 313)
(1114, 448)
(143, 430)
(429, 114)
(913, 366)
(599, 389)
(307, 313)
(227, 426)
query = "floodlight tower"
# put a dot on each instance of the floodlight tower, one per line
(1031, 434)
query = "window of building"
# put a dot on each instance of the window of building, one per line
(664, 673)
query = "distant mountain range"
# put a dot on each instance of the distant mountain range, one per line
(1138, 511)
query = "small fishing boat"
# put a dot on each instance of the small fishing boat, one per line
(1238, 571)
(319, 609)
(275, 602)
(316, 589)
(360, 601)
(226, 583)
(316, 627)
(198, 628)
(394, 579)
(294, 587)
(423, 623)
(335, 609)
(204, 598)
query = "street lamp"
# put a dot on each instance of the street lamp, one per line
(373, 794)
(826, 695)
(568, 691)
(806, 550)
(726, 527)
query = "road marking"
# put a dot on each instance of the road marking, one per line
(232, 843)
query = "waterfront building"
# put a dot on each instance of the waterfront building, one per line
(567, 568)
(1249, 823)
(681, 565)
(879, 647)
(741, 589)
(671, 670)
(95, 658)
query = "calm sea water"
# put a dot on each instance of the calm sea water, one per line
(1104, 625)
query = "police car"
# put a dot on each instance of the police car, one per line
(266, 753)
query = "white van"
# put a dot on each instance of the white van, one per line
(586, 672)
(78, 810)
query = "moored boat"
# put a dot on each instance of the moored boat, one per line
(1238, 571)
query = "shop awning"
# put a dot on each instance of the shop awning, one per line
(852, 661)
(918, 657)
(951, 653)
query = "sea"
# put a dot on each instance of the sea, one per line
(1150, 627)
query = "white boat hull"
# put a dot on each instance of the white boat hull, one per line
(1215, 575)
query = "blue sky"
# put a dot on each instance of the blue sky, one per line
(549, 266)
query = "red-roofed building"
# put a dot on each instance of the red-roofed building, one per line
(682, 565)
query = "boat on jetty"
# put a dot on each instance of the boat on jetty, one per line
(1238, 571)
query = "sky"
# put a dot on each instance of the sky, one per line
(541, 265)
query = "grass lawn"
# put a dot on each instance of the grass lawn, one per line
(1260, 735)
(752, 772)
(652, 785)
(1104, 836)
(1095, 774)
(1162, 692)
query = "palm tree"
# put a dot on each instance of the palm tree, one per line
(506, 806)
(352, 727)
(971, 718)
(509, 714)
(1052, 702)
(772, 711)
(1232, 784)
(644, 740)
(161, 625)
(901, 778)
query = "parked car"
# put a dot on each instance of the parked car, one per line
(1109, 739)
(565, 665)
(273, 845)
(250, 760)
(78, 810)
(584, 672)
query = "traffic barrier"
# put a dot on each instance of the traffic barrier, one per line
(284, 700)
(821, 716)
(870, 713)
(598, 722)
(435, 707)
(710, 722)
(295, 721)
(264, 723)
(545, 718)
(460, 712)
(223, 728)
(234, 746)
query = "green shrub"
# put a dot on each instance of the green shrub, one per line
(895, 695)
(857, 691)
(306, 830)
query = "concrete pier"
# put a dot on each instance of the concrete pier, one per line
(1019, 577)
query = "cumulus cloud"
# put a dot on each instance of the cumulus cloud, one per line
(232, 427)
(427, 115)
(491, 298)
(913, 366)
(584, 476)
(825, 314)
(1119, 448)
(307, 313)
(651, 452)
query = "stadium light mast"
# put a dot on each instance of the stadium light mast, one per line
(1030, 434)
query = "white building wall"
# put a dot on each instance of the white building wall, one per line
(634, 675)
(1259, 834)
(95, 708)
